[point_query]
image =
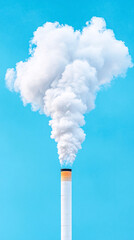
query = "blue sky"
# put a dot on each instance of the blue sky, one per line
(103, 206)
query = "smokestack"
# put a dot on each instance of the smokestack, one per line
(66, 204)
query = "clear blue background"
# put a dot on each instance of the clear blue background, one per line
(103, 173)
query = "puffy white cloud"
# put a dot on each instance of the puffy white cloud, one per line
(63, 73)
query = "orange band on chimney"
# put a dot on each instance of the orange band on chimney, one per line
(66, 176)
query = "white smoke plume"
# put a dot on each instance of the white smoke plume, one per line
(63, 73)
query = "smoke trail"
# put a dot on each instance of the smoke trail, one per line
(63, 73)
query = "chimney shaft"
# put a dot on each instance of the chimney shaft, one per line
(66, 204)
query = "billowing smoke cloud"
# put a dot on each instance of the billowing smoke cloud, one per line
(63, 73)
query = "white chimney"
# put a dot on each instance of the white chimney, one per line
(66, 204)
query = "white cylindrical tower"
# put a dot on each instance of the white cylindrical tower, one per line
(66, 204)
